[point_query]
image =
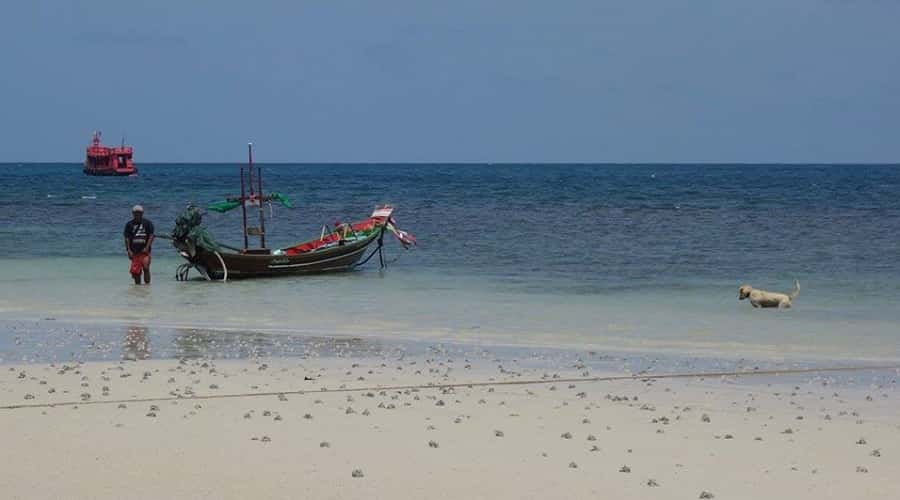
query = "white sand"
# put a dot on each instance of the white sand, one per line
(231, 447)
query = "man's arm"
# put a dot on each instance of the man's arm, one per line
(150, 236)
(127, 241)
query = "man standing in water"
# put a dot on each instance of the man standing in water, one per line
(138, 240)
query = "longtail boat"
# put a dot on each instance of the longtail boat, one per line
(336, 249)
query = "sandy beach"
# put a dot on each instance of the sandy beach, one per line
(378, 427)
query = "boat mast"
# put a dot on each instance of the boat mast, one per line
(243, 196)
(259, 200)
(262, 212)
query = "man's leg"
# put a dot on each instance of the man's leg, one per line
(134, 270)
(147, 269)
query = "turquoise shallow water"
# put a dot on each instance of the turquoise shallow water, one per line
(618, 257)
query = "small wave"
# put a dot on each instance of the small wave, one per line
(88, 197)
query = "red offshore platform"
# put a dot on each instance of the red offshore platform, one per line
(105, 160)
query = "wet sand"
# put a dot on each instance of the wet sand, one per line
(347, 436)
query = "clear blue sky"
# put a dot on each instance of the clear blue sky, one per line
(504, 80)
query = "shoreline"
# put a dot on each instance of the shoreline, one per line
(109, 332)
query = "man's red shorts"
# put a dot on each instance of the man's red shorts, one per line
(137, 262)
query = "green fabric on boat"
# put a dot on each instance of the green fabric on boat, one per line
(188, 229)
(280, 198)
(223, 206)
(226, 205)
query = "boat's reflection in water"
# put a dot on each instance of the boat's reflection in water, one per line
(136, 345)
(225, 344)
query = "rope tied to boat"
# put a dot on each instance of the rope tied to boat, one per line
(183, 270)
(378, 249)
(224, 267)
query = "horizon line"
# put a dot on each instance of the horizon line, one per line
(473, 163)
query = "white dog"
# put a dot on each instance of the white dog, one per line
(762, 298)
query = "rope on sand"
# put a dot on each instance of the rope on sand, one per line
(608, 378)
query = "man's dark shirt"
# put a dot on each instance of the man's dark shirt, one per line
(138, 233)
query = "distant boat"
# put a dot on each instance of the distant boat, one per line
(106, 160)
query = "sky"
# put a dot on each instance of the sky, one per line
(460, 81)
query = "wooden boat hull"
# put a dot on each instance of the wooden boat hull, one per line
(120, 173)
(253, 265)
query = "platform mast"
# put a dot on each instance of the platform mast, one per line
(249, 194)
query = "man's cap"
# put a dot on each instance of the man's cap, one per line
(137, 208)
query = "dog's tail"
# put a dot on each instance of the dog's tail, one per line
(793, 295)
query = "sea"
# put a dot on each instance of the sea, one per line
(606, 258)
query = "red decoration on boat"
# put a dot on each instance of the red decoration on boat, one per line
(106, 160)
